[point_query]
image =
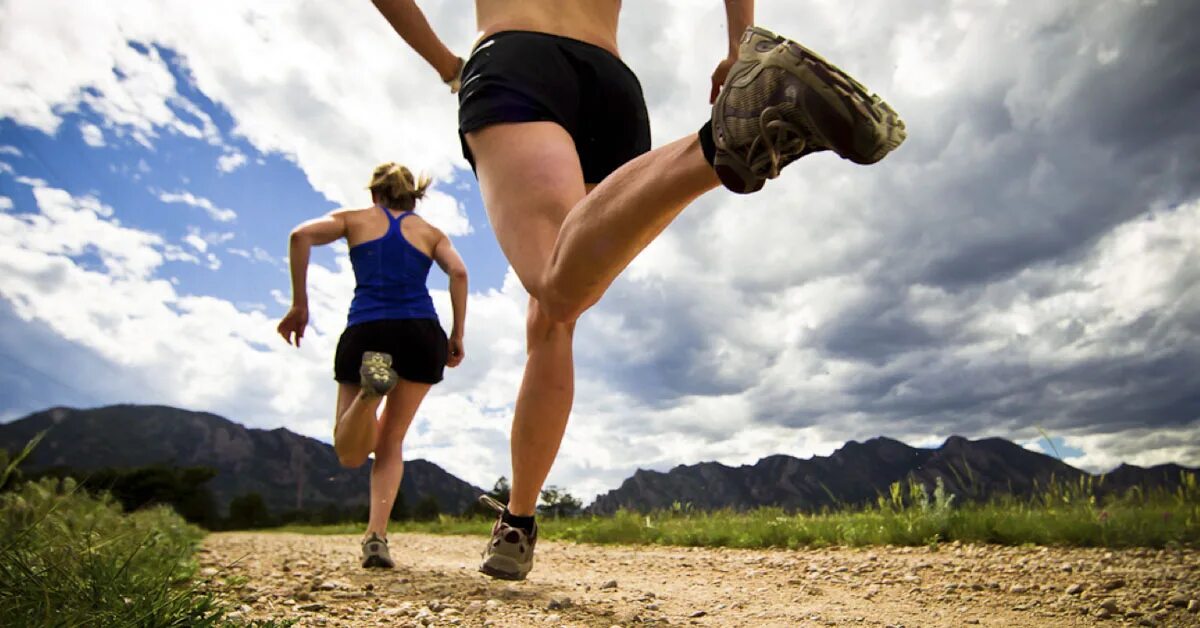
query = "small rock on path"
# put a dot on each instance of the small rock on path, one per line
(317, 580)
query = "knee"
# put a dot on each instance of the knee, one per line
(542, 325)
(389, 451)
(350, 460)
(556, 307)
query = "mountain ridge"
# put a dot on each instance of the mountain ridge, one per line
(858, 472)
(289, 470)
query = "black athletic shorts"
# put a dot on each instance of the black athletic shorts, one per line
(418, 347)
(521, 76)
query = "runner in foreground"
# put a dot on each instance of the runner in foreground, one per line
(555, 126)
(393, 347)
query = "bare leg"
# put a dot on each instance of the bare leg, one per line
(354, 431)
(567, 246)
(388, 468)
(617, 220)
(543, 406)
(530, 178)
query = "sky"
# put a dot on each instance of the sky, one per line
(1026, 265)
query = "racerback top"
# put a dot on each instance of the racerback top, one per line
(390, 274)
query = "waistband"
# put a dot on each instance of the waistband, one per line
(563, 39)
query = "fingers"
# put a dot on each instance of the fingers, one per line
(284, 332)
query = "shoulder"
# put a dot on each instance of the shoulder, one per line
(348, 212)
(427, 231)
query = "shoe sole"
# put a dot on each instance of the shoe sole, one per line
(376, 562)
(736, 174)
(375, 363)
(498, 574)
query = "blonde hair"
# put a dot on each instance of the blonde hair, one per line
(395, 187)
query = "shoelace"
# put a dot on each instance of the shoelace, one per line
(778, 136)
(490, 502)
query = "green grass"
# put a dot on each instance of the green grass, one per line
(68, 558)
(1059, 514)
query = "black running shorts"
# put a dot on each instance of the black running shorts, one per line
(521, 76)
(418, 347)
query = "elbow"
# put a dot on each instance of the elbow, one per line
(458, 274)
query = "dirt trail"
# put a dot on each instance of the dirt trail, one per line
(317, 580)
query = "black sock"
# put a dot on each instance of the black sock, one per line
(706, 142)
(517, 521)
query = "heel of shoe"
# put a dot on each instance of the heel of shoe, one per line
(735, 175)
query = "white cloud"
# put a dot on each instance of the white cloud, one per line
(92, 135)
(196, 242)
(231, 161)
(5, 203)
(218, 214)
(11, 150)
(445, 212)
(784, 322)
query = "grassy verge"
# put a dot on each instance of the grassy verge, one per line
(70, 559)
(1058, 515)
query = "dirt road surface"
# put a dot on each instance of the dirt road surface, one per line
(317, 581)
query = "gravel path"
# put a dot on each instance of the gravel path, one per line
(317, 580)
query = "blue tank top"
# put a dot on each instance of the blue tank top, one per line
(390, 275)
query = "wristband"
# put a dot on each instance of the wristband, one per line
(456, 82)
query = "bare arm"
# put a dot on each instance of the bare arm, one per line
(315, 232)
(410, 24)
(739, 15)
(449, 261)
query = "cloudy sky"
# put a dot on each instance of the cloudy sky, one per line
(1028, 261)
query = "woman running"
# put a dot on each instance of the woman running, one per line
(393, 347)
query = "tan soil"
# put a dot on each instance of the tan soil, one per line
(317, 580)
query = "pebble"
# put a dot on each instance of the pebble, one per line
(611, 584)
(1178, 601)
(313, 607)
(1075, 589)
(1193, 606)
(1110, 605)
(1019, 588)
(559, 603)
(209, 572)
(1114, 584)
(697, 614)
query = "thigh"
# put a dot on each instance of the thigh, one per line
(345, 396)
(399, 410)
(530, 178)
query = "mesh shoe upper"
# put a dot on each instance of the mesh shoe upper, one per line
(509, 553)
(781, 101)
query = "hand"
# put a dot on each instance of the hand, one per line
(455, 80)
(455, 355)
(293, 324)
(718, 77)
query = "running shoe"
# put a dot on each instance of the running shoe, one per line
(782, 101)
(376, 375)
(509, 553)
(375, 553)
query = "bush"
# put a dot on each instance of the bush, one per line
(68, 558)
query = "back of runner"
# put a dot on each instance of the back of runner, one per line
(555, 126)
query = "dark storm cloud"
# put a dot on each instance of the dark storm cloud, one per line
(1108, 141)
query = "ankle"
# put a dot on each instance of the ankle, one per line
(521, 522)
(707, 145)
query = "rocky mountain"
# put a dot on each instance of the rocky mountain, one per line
(290, 471)
(859, 472)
